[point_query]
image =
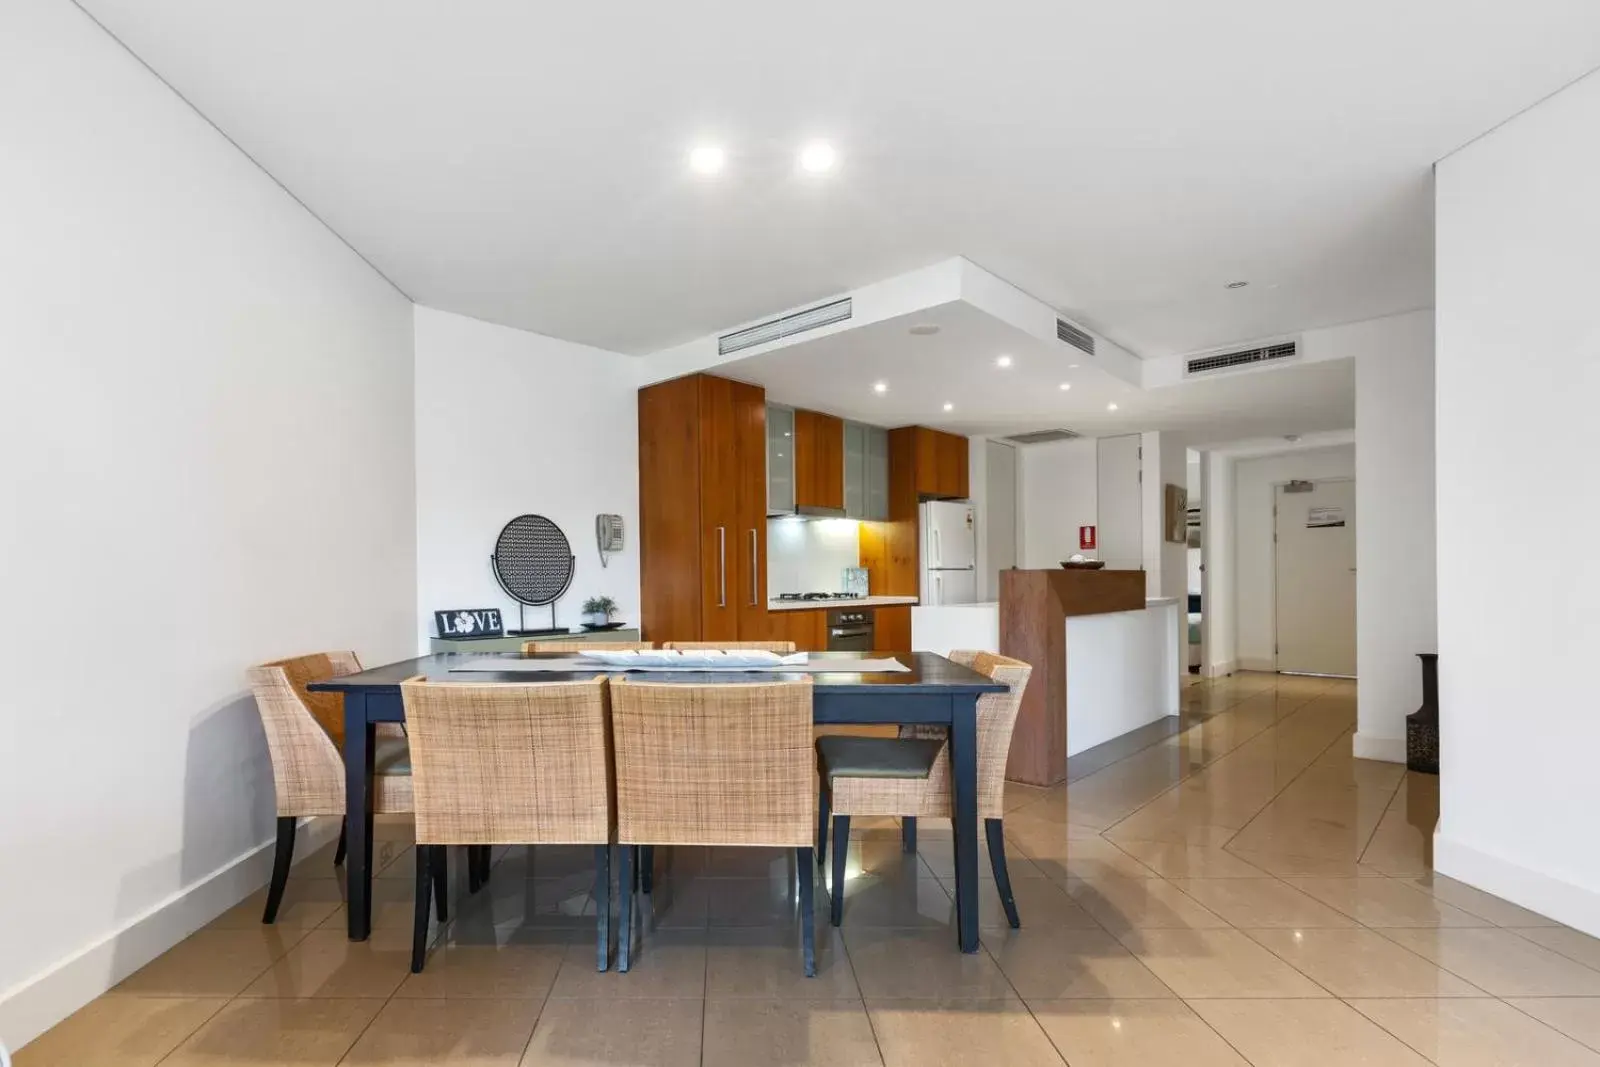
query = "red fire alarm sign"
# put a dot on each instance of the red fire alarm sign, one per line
(1086, 537)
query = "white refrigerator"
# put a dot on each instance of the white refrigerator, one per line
(949, 553)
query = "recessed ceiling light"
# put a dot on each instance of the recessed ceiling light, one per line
(1003, 361)
(880, 387)
(707, 159)
(924, 329)
(1065, 386)
(818, 157)
(1237, 285)
(1072, 366)
(1111, 406)
(949, 407)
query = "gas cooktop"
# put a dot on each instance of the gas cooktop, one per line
(819, 596)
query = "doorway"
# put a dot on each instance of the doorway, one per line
(1315, 577)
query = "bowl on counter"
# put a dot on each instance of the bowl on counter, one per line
(1083, 564)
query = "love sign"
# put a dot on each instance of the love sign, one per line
(469, 622)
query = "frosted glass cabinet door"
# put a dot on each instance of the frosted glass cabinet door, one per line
(855, 471)
(780, 460)
(877, 473)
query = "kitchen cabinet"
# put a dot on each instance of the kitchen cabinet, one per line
(866, 472)
(780, 460)
(818, 461)
(940, 462)
(702, 509)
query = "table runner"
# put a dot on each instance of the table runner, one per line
(543, 665)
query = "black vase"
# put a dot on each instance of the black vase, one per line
(1422, 725)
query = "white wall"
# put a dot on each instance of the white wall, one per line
(998, 528)
(1255, 481)
(1219, 616)
(1396, 592)
(810, 555)
(1057, 486)
(1518, 254)
(511, 422)
(1165, 462)
(207, 425)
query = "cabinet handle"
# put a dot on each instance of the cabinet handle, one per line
(754, 563)
(722, 566)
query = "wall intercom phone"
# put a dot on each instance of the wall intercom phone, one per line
(608, 535)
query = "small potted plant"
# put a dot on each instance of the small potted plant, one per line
(597, 610)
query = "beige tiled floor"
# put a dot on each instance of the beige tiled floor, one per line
(1243, 892)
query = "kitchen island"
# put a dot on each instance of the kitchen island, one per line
(1106, 660)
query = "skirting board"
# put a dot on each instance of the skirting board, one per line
(1565, 902)
(29, 1009)
(1221, 670)
(1387, 749)
(1247, 663)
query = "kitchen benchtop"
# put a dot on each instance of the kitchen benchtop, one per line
(828, 605)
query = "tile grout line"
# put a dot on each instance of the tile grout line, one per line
(1290, 783)
(1208, 767)
(1367, 847)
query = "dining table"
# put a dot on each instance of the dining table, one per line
(931, 690)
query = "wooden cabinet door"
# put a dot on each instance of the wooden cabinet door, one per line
(719, 510)
(819, 460)
(750, 528)
(953, 475)
(925, 461)
(891, 629)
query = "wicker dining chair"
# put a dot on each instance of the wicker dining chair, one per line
(497, 764)
(562, 645)
(726, 764)
(909, 776)
(783, 648)
(305, 732)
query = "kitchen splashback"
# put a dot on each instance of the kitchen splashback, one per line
(805, 555)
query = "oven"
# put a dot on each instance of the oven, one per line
(850, 630)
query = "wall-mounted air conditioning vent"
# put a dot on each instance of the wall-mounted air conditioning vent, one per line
(1082, 340)
(1242, 358)
(787, 326)
(1039, 437)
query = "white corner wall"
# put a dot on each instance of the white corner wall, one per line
(1518, 370)
(207, 425)
(510, 422)
(1057, 486)
(1396, 592)
(1219, 615)
(1255, 482)
(1165, 462)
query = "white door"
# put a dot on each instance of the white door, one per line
(1000, 516)
(1119, 507)
(952, 587)
(1316, 579)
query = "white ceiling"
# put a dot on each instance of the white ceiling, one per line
(524, 162)
(957, 365)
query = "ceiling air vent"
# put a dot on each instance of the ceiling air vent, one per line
(787, 326)
(1082, 340)
(1039, 437)
(1243, 358)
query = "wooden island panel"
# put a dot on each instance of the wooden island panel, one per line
(1034, 606)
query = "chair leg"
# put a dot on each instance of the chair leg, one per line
(419, 926)
(908, 833)
(808, 921)
(841, 849)
(339, 852)
(625, 907)
(647, 868)
(994, 829)
(602, 906)
(474, 875)
(280, 868)
(822, 826)
(439, 864)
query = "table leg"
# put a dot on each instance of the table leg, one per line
(359, 743)
(964, 819)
